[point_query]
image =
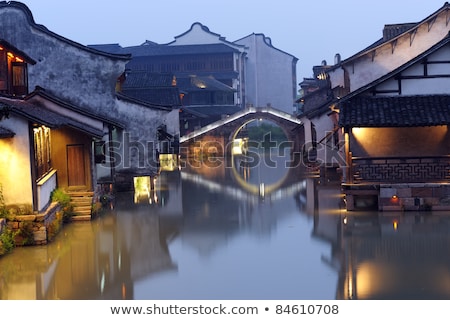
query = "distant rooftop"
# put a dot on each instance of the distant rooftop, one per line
(163, 49)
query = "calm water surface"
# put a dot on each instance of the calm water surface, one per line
(227, 232)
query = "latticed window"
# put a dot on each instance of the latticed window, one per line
(19, 78)
(42, 151)
(223, 98)
(13, 73)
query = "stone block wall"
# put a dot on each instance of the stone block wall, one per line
(414, 197)
(37, 229)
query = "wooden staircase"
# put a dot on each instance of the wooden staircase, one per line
(82, 204)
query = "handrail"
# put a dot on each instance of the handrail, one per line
(240, 114)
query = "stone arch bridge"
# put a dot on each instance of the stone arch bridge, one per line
(217, 137)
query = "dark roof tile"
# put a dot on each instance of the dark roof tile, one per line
(164, 49)
(395, 111)
(137, 79)
(6, 133)
(392, 30)
(160, 96)
(212, 110)
(41, 115)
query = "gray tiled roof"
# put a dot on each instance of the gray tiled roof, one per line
(392, 30)
(6, 133)
(102, 116)
(396, 111)
(153, 88)
(212, 110)
(140, 79)
(164, 97)
(114, 48)
(41, 115)
(163, 49)
(390, 34)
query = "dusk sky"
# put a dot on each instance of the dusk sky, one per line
(312, 31)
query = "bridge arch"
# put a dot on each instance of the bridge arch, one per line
(262, 189)
(234, 133)
(225, 130)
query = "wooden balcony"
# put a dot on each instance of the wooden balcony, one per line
(400, 169)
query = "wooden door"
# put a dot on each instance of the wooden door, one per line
(76, 173)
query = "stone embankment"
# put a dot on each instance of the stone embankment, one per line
(36, 229)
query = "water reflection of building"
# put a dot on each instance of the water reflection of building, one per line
(407, 259)
(220, 200)
(105, 258)
(383, 256)
(94, 260)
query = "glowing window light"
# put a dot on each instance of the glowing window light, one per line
(395, 225)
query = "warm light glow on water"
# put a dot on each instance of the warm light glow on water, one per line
(207, 238)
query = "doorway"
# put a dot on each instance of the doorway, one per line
(76, 171)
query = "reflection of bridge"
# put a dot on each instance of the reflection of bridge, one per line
(238, 193)
(219, 134)
(235, 181)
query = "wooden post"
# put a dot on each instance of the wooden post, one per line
(348, 174)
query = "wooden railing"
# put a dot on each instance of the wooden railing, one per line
(401, 169)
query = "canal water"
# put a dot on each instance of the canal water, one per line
(225, 229)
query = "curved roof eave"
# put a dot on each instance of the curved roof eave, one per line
(268, 42)
(42, 92)
(379, 43)
(127, 98)
(22, 54)
(206, 29)
(398, 70)
(42, 28)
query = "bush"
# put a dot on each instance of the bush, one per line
(60, 196)
(26, 234)
(7, 241)
(3, 211)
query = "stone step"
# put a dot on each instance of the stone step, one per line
(80, 197)
(81, 200)
(81, 213)
(86, 217)
(81, 205)
(82, 208)
(75, 194)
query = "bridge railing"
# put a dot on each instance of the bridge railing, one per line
(237, 115)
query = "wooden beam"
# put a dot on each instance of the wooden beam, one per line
(447, 17)
(412, 35)
(431, 23)
(393, 45)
